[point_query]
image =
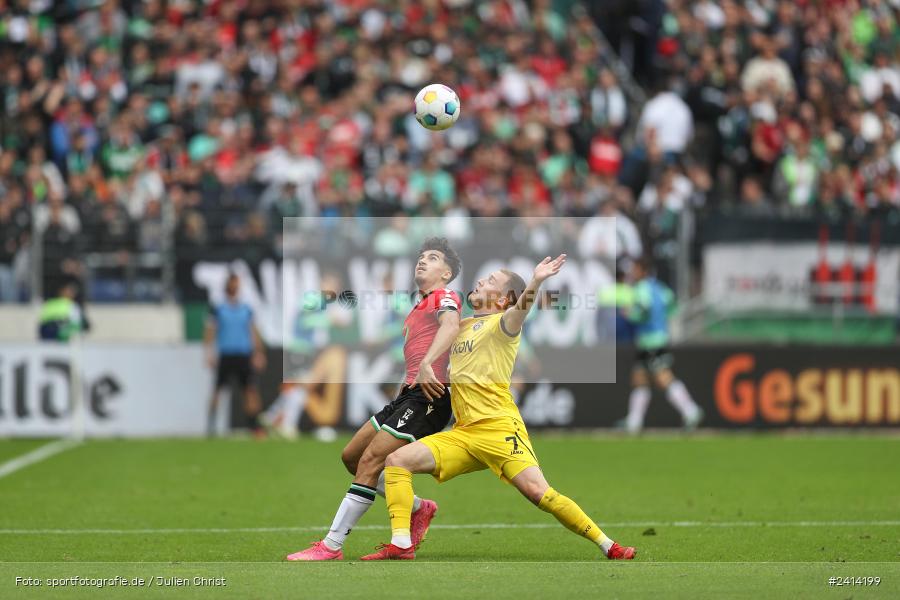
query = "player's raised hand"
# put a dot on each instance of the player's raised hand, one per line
(548, 268)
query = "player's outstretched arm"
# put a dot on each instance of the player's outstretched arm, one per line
(446, 333)
(514, 317)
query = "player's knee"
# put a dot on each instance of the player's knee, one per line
(394, 459)
(639, 379)
(664, 378)
(370, 464)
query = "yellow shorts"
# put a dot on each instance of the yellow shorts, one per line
(500, 444)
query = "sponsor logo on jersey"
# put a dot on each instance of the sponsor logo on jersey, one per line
(429, 409)
(462, 347)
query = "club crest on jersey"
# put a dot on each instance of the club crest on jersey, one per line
(477, 325)
(403, 419)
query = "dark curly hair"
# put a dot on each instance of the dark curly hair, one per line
(450, 256)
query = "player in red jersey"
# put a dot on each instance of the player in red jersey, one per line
(421, 408)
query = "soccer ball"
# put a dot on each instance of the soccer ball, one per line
(437, 107)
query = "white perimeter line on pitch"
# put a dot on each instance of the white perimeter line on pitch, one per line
(35, 456)
(728, 524)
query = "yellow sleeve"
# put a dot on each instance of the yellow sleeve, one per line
(499, 332)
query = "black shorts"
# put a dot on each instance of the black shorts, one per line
(654, 360)
(412, 416)
(234, 367)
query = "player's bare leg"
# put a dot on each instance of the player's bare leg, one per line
(415, 458)
(368, 471)
(399, 467)
(252, 406)
(371, 463)
(356, 446)
(638, 401)
(283, 415)
(374, 459)
(350, 456)
(354, 499)
(532, 484)
(679, 397)
(376, 446)
(213, 409)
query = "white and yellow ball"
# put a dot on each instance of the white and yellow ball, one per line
(437, 107)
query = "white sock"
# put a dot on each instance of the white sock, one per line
(379, 488)
(605, 543)
(293, 404)
(637, 407)
(401, 541)
(681, 399)
(273, 410)
(354, 505)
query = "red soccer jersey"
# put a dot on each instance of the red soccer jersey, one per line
(419, 329)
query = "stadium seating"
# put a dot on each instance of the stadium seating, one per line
(139, 135)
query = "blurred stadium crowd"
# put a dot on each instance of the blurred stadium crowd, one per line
(179, 129)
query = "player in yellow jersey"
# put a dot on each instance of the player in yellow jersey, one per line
(489, 432)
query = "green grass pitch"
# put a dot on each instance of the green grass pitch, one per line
(712, 516)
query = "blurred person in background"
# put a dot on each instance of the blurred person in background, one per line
(235, 349)
(609, 106)
(59, 226)
(315, 354)
(767, 70)
(610, 234)
(753, 201)
(796, 177)
(15, 229)
(61, 317)
(670, 120)
(615, 303)
(650, 311)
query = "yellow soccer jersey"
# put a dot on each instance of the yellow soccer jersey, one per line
(481, 366)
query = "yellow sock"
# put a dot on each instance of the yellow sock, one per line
(398, 492)
(573, 518)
